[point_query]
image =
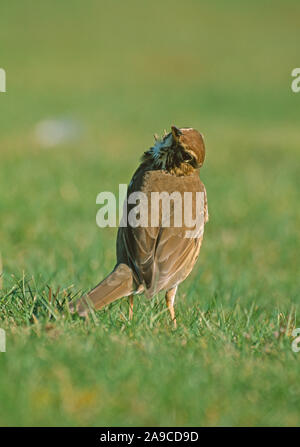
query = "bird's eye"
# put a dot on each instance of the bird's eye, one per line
(187, 157)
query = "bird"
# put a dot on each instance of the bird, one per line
(151, 259)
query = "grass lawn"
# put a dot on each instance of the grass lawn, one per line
(124, 71)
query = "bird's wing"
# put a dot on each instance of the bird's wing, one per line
(160, 256)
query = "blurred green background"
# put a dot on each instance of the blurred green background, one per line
(112, 74)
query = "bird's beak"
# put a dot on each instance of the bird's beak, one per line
(176, 132)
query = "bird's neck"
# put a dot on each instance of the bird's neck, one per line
(163, 156)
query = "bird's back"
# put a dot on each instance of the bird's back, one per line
(160, 257)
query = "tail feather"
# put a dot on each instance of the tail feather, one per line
(117, 284)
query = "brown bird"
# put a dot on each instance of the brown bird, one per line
(152, 258)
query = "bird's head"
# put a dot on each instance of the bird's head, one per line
(179, 152)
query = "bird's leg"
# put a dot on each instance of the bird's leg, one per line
(170, 298)
(130, 307)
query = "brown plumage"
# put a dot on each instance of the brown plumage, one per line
(155, 258)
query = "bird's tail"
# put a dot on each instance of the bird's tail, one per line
(117, 284)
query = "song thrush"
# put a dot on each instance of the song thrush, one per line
(155, 258)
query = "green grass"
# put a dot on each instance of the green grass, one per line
(126, 70)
